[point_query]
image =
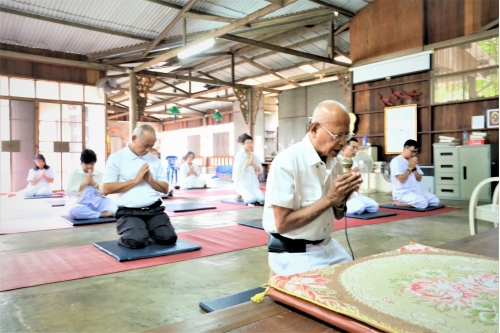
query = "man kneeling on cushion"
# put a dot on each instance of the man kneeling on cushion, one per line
(137, 176)
(405, 176)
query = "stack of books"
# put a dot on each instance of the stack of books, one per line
(478, 139)
(448, 141)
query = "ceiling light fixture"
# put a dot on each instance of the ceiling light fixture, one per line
(195, 49)
(309, 68)
(343, 59)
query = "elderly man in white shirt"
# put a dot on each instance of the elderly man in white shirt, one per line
(305, 191)
(84, 191)
(405, 176)
(137, 176)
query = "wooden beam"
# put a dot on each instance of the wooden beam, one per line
(342, 28)
(267, 70)
(462, 40)
(192, 78)
(57, 61)
(488, 26)
(72, 24)
(264, 55)
(118, 115)
(172, 86)
(281, 49)
(208, 17)
(302, 76)
(219, 32)
(189, 108)
(259, 27)
(337, 8)
(169, 27)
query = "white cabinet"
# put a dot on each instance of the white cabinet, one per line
(459, 169)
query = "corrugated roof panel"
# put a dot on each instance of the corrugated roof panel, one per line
(343, 41)
(128, 16)
(296, 7)
(230, 8)
(352, 5)
(194, 26)
(42, 34)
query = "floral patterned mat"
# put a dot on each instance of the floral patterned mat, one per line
(413, 289)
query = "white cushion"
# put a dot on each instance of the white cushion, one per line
(487, 213)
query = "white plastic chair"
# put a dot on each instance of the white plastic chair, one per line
(485, 212)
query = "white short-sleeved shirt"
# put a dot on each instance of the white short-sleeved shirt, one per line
(34, 174)
(123, 166)
(399, 165)
(298, 178)
(185, 168)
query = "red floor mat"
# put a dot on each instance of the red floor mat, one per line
(220, 207)
(23, 270)
(401, 215)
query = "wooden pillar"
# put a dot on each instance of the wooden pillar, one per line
(250, 111)
(133, 103)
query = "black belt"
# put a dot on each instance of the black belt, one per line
(154, 205)
(278, 243)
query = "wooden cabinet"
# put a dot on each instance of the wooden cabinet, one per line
(459, 169)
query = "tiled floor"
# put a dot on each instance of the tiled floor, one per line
(137, 300)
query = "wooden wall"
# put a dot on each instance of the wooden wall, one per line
(432, 121)
(451, 19)
(43, 71)
(388, 26)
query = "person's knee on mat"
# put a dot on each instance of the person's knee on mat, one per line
(164, 235)
(420, 203)
(134, 243)
(135, 238)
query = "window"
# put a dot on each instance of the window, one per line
(4, 85)
(465, 72)
(47, 90)
(5, 136)
(22, 87)
(221, 144)
(92, 95)
(194, 144)
(95, 139)
(71, 92)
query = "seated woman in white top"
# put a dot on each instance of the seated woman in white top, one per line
(39, 178)
(190, 173)
(84, 191)
(246, 165)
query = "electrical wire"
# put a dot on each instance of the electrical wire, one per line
(347, 237)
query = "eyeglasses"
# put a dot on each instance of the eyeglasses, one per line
(353, 147)
(341, 137)
(414, 152)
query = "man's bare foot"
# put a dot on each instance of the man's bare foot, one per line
(107, 214)
(401, 204)
(239, 198)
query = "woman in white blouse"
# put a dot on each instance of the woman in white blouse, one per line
(39, 178)
(190, 173)
(246, 165)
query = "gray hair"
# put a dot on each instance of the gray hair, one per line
(140, 130)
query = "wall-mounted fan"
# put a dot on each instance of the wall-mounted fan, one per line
(106, 85)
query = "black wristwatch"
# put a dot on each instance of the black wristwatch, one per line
(413, 170)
